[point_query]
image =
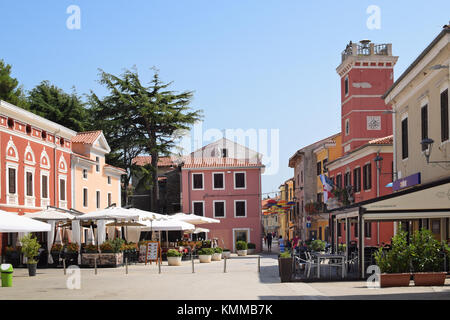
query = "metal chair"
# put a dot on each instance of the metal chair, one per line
(307, 264)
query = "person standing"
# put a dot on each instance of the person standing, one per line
(269, 241)
(281, 244)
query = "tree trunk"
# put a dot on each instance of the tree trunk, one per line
(155, 187)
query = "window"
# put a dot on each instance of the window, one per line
(224, 153)
(368, 229)
(347, 127)
(436, 226)
(197, 181)
(98, 199)
(109, 179)
(85, 174)
(301, 176)
(338, 227)
(198, 208)
(357, 179)
(355, 229)
(319, 168)
(62, 189)
(85, 197)
(339, 181)
(240, 208)
(347, 179)
(97, 166)
(405, 138)
(444, 116)
(219, 209)
(109, 199)
(367, 176)
(29, 179)
(44, 187)
(424, 123)
(12, 181)
(239, 180)
(218, 180)
(324, 165)
(346, 86)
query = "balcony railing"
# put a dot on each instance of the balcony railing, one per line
(365, 49)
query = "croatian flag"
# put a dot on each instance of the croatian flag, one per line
(327, 187)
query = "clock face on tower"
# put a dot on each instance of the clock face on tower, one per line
(373, 123)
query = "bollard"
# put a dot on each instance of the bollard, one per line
(192, 264)
(159, 265)
(95, 265)
(126, 265)
(259, 264)
(224, 265)
(64, 265)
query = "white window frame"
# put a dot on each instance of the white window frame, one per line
(240, 229)
(245, 180)
(245, 201)
(85, 197)
(109, 197)
(223, 175)
(224, 209)
(346, 79)
(84, 171)
(347, 121)
(97, 164)
(203, 181)
(47, 174)
(31, 198)
(203, 207)
(63, 203)
(15, 195)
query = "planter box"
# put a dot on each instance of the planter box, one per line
(226, 254)
(251, 251)
(174, 261)
(205, 258)
(216, 257)
(394, 280)
(429, 278)
(242, 252)
(103, 259)
(285, 268)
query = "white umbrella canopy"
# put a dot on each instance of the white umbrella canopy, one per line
(90, 237)
(147, 215)
(168, 225)
(193, 219)
(50, 214)
(198, 230)
(11, 222)
(113, 213)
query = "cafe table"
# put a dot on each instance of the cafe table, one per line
(323, 256)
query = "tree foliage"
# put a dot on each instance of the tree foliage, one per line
(10, 91)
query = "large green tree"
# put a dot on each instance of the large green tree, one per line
(54, 104)
(152, 113)
(10, 91)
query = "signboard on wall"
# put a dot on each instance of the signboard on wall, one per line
(406, 182)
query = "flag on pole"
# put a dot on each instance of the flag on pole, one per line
(327, 187)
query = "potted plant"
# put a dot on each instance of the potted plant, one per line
(395, 263)
(342, 247)
(174, 257)
(241, 247)
(226, 253)
(12, 256)
(30, 249)
(318, 245)
(217, 255)
(55, 252)
(251, 247)
(427, 259)
(71, 253)
(90, 248)
(205, 255)
(285, 266)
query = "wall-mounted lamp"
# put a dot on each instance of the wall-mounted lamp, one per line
(427, 144)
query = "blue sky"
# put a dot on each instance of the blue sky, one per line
(253, 64)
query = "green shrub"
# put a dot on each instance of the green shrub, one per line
(206, 251)
(218, 250)
(72, 247)
(318, 245)
(342, 247)
(426, 252)
(174, 253)
(251, 245)
(396, 260)
(285, 254)
(30, 248)
(241, 245)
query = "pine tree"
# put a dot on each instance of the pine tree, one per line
(10, 91)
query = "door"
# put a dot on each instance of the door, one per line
(240, 235)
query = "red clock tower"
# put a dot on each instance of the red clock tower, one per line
(367, 72)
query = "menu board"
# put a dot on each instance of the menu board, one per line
(152, 252)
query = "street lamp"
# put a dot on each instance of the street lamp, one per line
(427, 144)
(438, 66)
(378, 160)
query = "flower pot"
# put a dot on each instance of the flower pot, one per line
(285, 268)
(216, 257)
(174, 261)
(250, 251)
(32, 269)
(205, 258)
(242, 252)
(226, 254)
(394, 280)
(55, 257)
(429, 278)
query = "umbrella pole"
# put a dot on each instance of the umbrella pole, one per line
(167, 238)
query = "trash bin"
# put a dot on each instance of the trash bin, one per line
(7, 274)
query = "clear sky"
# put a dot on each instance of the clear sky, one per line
(255, 64)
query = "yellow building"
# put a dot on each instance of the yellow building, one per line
(286, 216)
(326, 152)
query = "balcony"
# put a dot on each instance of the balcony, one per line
(315, 207)
(365, 48)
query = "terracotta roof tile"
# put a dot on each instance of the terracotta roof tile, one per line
(190, 162)
(384, 140)
(87, 137)
(113, 167)
(162, 161)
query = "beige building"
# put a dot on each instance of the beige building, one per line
(95, 184)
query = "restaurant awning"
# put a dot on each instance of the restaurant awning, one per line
(11, 222)
(49, 215)
(194, 219)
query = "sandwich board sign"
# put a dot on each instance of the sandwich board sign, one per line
(152, 252)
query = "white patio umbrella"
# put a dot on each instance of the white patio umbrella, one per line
(50, 214)
(112, 213)
(90, 236)
(198, 230)
(58, 238)
(193, 219)
(11, 222)
(168, 225)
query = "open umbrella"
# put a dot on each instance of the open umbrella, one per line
(11, 222)
(193, 219)
(50, 214)
(197, 230)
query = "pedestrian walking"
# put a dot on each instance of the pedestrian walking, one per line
(269, 242)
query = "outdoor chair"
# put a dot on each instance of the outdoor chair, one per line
(307, 265)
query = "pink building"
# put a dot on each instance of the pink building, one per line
(225, 185)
